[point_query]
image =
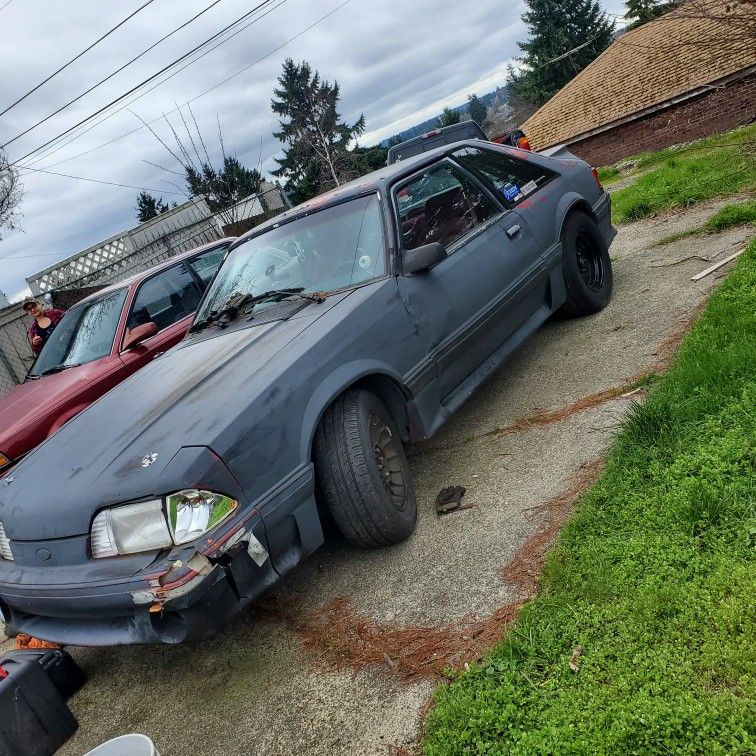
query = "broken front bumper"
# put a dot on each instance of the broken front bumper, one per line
(189, 601)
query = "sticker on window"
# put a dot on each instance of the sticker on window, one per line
(531, 186)
(511, 193)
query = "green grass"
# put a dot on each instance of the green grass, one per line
(682, 176)
(730, 216)
(608, 174)
(654, 577)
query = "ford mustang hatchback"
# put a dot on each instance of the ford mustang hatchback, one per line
(332, 335)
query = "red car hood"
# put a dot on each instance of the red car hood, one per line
(28, 410)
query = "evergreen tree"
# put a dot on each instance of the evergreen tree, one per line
(149, 207)
(476, 109)
(316, 153)
(225, 187)
(448, 117)
(368, 159)
(647, 10)
(564, 37)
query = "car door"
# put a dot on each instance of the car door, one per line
(460, 306)
(168, 299)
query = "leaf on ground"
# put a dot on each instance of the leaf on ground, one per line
(576, 654)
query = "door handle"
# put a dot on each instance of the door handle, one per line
(513, 231)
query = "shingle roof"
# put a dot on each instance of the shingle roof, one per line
(699, 43)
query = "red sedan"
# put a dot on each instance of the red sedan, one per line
(101, 341)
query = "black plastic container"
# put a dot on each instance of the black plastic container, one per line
(34, 718)
(63, 671)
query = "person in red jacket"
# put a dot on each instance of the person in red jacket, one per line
(43, 325)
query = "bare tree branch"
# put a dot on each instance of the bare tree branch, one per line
(11, 191)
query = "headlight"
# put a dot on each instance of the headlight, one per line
(5, 549)
(4, 461)
(192, 513)
(151, 525)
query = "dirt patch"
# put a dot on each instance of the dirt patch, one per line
(341, 638)
(524, 571)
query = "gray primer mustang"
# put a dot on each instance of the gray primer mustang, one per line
(332, 335)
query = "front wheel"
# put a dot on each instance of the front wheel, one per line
(587, 268)
(363, 473)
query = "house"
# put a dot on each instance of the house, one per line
(689, 74)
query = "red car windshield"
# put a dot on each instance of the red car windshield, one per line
(84, 334)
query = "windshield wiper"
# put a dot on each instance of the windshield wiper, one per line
(239, 303)
(57, 369)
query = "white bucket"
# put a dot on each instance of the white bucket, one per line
(126, 745)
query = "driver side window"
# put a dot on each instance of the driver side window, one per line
(441, 205)
(165, 298)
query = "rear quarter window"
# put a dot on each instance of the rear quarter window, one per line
(511, 179)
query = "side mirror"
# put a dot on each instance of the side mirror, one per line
(423, 258)
(138, 334)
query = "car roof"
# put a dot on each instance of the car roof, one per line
(137, 277)
(376, 181)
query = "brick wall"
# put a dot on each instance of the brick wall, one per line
(710, 113)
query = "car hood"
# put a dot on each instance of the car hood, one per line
(35, 400)
(116, 449)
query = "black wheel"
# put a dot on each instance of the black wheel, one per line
(587, 268)
(362, 472)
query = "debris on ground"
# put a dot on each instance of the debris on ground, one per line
(449, 499)
(24, 641)
(716, 266)
(576, 654)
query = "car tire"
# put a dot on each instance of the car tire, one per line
(362, 471)
(587, 268)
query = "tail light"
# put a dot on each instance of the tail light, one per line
(594, 171)
(523, 143)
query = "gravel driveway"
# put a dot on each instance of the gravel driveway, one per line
(343, 656)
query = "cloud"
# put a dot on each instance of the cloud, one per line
(397, 62)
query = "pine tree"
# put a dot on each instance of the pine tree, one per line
(476, 109)
(448, 118)
(316, 153)
(368, 159)
(647, 10)
(225, 187)
(149, 207)
(564, 37)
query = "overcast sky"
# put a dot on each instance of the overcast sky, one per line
(397, 61)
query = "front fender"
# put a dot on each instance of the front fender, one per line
(62, 419)
(331, 387)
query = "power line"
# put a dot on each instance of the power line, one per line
(141, 84)
(114, 73)
(94, 44)
(98, 181)
(5, 5)
(74, 137)
(207, 91)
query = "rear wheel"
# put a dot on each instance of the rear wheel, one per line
(587, 269)
(362, 471)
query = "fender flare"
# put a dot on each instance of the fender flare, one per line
(569, 202)
(336, 384)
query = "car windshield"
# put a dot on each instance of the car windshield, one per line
(331, 249)
(85, 333)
